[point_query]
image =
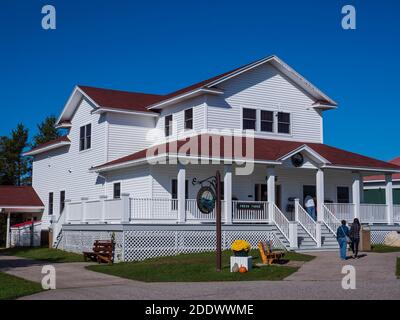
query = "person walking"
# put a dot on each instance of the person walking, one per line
(355, 237)
(342, 236)
(309, 203)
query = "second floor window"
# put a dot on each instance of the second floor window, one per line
(85, 137)
(189, 118)
(62, 201)
(249, 119)
(168, 125)
(117, 190)
(51, 201)
(283, 122)
(267, 121)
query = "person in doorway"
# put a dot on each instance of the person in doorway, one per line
(355, 237)
(342, 236)
(309, 203)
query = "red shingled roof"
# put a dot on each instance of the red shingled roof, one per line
(133, 101)
(19, 196)
(50, 143)
(395, 176)
(268, 150)
(24, 224)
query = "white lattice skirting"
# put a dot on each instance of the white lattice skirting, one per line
(135, 245)
(378, 236)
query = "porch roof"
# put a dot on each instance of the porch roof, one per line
(19, 199)
(265, 151)
(381, 178)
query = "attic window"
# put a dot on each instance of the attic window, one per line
(189, 119)
(249, 119)
(283, 122)
(85, 137)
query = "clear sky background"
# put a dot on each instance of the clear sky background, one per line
(161, 46)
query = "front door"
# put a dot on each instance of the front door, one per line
(261, 194)
(309, 191)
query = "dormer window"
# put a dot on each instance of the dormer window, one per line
(85, 137)
(249, 119)
(283, 122)
(168, 125)
(189, 119)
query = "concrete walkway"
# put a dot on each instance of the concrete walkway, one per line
(318, 279)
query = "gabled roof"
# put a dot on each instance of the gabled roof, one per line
(50, 145)
(133, 101)
(380, 178)
(114, 100)
(265, 151)
(19, 196)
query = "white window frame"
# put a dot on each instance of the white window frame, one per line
(85, 142)
(184, 119)
(120, 189)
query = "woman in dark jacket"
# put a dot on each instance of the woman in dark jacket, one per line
(355, 236)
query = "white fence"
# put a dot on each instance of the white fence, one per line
(396, 213)
(22, 236)
(250, 211)
(342, 211)
(373, 213)
(330, 220)
(153, 209)
(306, 221)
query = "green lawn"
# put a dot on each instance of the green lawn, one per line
(196, 267)
(13, 287)
(381, 248)
(44, 254)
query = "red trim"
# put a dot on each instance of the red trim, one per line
(50, 143)
(24, 224)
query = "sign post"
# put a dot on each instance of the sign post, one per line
(208, 199)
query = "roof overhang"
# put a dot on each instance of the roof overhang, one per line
(122, 111)
(366, 170)
(21, 209)
(185, 96)
(47, 148)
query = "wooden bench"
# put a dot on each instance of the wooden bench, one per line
(267, 255)
(103, 251)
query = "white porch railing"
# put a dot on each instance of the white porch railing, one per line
(306, 221)
(396, 213)
(194, 214)
(281, 222)
(154, 209)
(373, 213)
(342, 211)
(330, 220)
(250, 211)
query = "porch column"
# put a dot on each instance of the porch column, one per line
(271, 189)
(8, 244)
(389, 198)
(228, 193)
(181, 193)
(320, 194)
(356, 191)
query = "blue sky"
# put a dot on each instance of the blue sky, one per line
(161, 46)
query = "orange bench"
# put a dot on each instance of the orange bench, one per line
(267, 255)
(103, 251)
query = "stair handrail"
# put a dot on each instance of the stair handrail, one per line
(306, 221)
(281, 222)
(57, 229)
(330, 220)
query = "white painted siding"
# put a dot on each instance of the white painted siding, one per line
(178, 112)
(127, 134)
(268, 89)
(67, 168)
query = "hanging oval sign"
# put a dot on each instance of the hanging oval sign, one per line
(206, 200)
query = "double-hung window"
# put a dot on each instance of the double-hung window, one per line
(85, 137)
(62, 201)
(168, 125)
(283, 122)
(189, 119)
(51, 203)
(267, 121)
(249, 119)
(117, 190)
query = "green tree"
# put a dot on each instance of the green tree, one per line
(14, 167)
(47, 131)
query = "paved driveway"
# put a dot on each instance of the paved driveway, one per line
(318, 279)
